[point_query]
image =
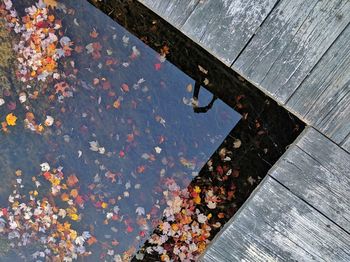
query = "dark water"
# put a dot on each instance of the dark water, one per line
(124, 129)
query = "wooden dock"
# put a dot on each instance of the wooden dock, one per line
(297, 52)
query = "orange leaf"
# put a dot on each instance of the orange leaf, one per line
(65, 197)
(94, 34)
(72, 180)
(74, 193)
(116, 104)
(92, 240)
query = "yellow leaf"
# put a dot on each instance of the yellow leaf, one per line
(197, 189)
(74, 217)
(51, 3)
(73, 234)
(197, 200)
(11, 119)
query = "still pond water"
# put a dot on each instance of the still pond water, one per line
(99, 140)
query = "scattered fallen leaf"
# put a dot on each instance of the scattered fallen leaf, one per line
(72, 180)
(11, 119)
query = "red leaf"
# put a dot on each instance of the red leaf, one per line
(47, 175)
(125, 87)
(129, 229)
(157, 66)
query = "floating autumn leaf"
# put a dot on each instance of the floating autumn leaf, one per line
(94, 34)
(74, 193)
(116, 104)
(49, 121)
(72, 180)
(64, 197)
(92, 240)
(125, 87)
(11, 119)
(79, 200)
(74, 217)
(61, 87)
(51, 3)
(30, 117)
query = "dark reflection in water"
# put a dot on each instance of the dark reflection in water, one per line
(102, 128)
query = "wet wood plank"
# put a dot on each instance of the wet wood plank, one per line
(307, 178)
(275, 225)
(224, 27)
(174, 11)
(290, 43)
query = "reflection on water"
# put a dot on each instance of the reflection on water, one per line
(99, 139)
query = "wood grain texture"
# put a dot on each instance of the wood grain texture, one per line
(275, 225)
(323, 99)
(307, 178)
(346, 144)
(173, 11)
(290, 43)
(332, 157)
(224, 27)
(326, 78)
(335, 120)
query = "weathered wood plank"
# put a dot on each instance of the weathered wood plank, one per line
(290, 43)
(324, 151)
(224, 27)
(173, 11)
(275, 225)
(346, 144)
(240, 243)
(327, 78)
(334, 121)
(311, 181)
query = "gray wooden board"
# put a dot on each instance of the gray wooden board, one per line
(290, 43)
(173, 11)
(224, 27)
(346, 144)
(332, 157)
(325, 79)
(335, 122)
(323, 99)
(310, 180)
(275, 225)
